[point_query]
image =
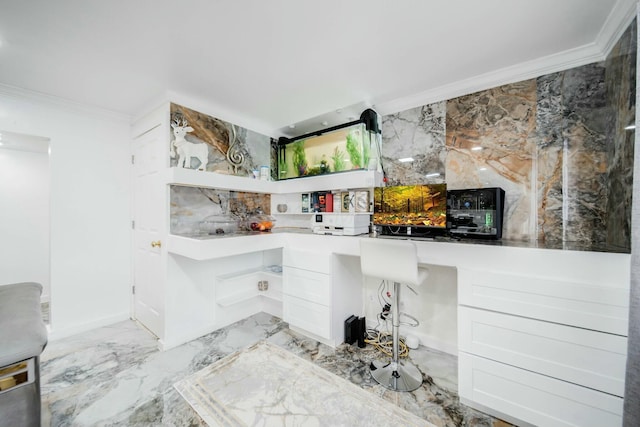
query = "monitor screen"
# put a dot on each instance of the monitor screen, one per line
(422, 206)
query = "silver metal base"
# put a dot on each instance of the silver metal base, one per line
(406, 377)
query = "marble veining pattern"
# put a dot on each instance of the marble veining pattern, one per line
(417, 133)
(489, 143)
(621, 87)
(585, 131)
(267, 385)
(115, 375)
(550, 158)
(190, 205)
(218, 134)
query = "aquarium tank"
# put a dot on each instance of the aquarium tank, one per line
(351, 146)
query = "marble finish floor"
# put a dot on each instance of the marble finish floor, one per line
(116, 376)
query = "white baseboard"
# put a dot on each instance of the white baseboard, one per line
(58, 333)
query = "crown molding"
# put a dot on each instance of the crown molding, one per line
(616, 23)
(19, 93)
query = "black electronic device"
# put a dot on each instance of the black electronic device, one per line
(362, 329)
(351, 327)
(476, 212)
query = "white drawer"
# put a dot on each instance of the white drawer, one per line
(589, 358)
(533, 398)
(308, 285)
(595, 306)
(311, 317)
(311, 261)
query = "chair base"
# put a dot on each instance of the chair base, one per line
(405, 377)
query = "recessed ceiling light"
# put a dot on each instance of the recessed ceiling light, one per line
(483, 169)
(325, 123)
(431, 175)
(630, 127)
(406, 160)
(292, 126)
(1, 143)
(351, 118)
(338, 111)
(476, 148)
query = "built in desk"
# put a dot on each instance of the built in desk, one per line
(541, 329)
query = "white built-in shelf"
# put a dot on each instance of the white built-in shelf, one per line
(337, 181)
(247, 295)
(264, 271)
(196, 178)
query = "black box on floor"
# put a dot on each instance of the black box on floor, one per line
(362, 324)
(351, 328)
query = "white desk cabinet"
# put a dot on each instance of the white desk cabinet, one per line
(544, 350)
(315, 298)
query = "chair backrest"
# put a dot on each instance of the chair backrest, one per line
(394, 260)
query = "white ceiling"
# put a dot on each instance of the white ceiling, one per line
(280, 62)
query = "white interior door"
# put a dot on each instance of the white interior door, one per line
(149, 230)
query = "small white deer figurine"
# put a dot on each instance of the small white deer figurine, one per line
(185, 149)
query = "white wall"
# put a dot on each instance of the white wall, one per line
(24, 218)
(435, 307)
(90, 216)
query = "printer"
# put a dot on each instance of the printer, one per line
(340, 224)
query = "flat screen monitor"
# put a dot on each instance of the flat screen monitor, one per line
(411, 209)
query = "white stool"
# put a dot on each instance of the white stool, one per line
(396, 261)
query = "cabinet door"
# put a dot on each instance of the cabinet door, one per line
(533, 398)
(581, 356)
(308, 285)
(306, 260)
(311, 317)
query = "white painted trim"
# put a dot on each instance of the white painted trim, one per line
(57, 333)
(526, 70)
(62, 103)
(617, 22)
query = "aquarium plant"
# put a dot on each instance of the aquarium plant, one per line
(353, 144)
(338, 160)
(299, 158)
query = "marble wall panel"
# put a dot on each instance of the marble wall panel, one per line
(586, 130)
(620, 85)
(490, 141)
(190, 205)
(232, 149)
(550, 158)
(417, 133)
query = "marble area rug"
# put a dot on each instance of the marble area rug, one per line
(265, 385)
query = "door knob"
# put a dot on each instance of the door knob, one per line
(156, 244)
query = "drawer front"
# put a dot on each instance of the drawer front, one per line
(589, 358)
(308, 285)
(591, 306)
(311, 317)
(311, 261)
(534, 398)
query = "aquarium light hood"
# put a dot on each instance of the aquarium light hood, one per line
(368, 117)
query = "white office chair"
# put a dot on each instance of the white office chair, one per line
(396, 261)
